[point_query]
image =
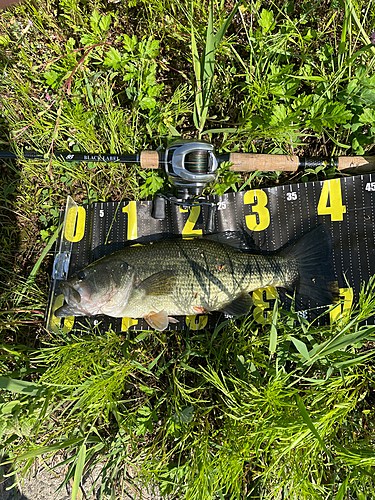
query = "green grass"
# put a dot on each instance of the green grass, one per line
(280, 411)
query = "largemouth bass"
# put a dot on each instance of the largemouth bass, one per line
(172, 277)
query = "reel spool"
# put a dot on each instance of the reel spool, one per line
(190, 165)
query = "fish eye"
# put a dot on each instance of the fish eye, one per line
(81, 275)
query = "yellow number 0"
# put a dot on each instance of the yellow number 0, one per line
(75, 224)
(259, 220)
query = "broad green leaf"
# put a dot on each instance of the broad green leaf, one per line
(21, 386)
(114, 59)
(184, 416)
(51, 77)
(142, 336)
(368, 116)
(129, 43)
(174, 132)
(7, 408)
(266, 21)
(105, 22)
(301, 348)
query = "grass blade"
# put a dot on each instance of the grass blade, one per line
(342, 490)
(31, 278)
(273, 332)
(340, 342)
(309, 422)
(36, 452)
(204, 67)
(79, 471)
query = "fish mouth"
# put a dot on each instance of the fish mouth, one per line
(71, 296)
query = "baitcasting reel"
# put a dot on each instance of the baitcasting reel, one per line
(190, 165)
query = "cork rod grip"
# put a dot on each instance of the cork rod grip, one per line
(247, 162)
(360, 164)
(149, 159)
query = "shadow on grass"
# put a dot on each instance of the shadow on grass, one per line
(7, 492)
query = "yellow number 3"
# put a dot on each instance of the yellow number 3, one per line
(260, 218)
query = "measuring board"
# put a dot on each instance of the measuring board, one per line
(272, 218)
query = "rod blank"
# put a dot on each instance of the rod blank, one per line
(241, 162)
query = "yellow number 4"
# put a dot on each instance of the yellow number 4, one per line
(343, 308)
(330, 201)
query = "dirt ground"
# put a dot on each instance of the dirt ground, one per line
(43, 486)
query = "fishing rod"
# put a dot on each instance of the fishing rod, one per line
(192, 152)
(191, 164)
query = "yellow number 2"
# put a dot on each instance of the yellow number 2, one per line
(259, 219)
(330, 201)
(196, 322)
(188, 230)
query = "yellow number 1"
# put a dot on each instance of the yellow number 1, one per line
(131, 210)
(132, 234)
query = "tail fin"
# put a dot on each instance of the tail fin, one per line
(312, 254)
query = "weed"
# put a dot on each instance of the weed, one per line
(246, 411)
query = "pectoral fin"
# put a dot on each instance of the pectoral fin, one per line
(161, 283)
(239, 306)
(159, 320)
